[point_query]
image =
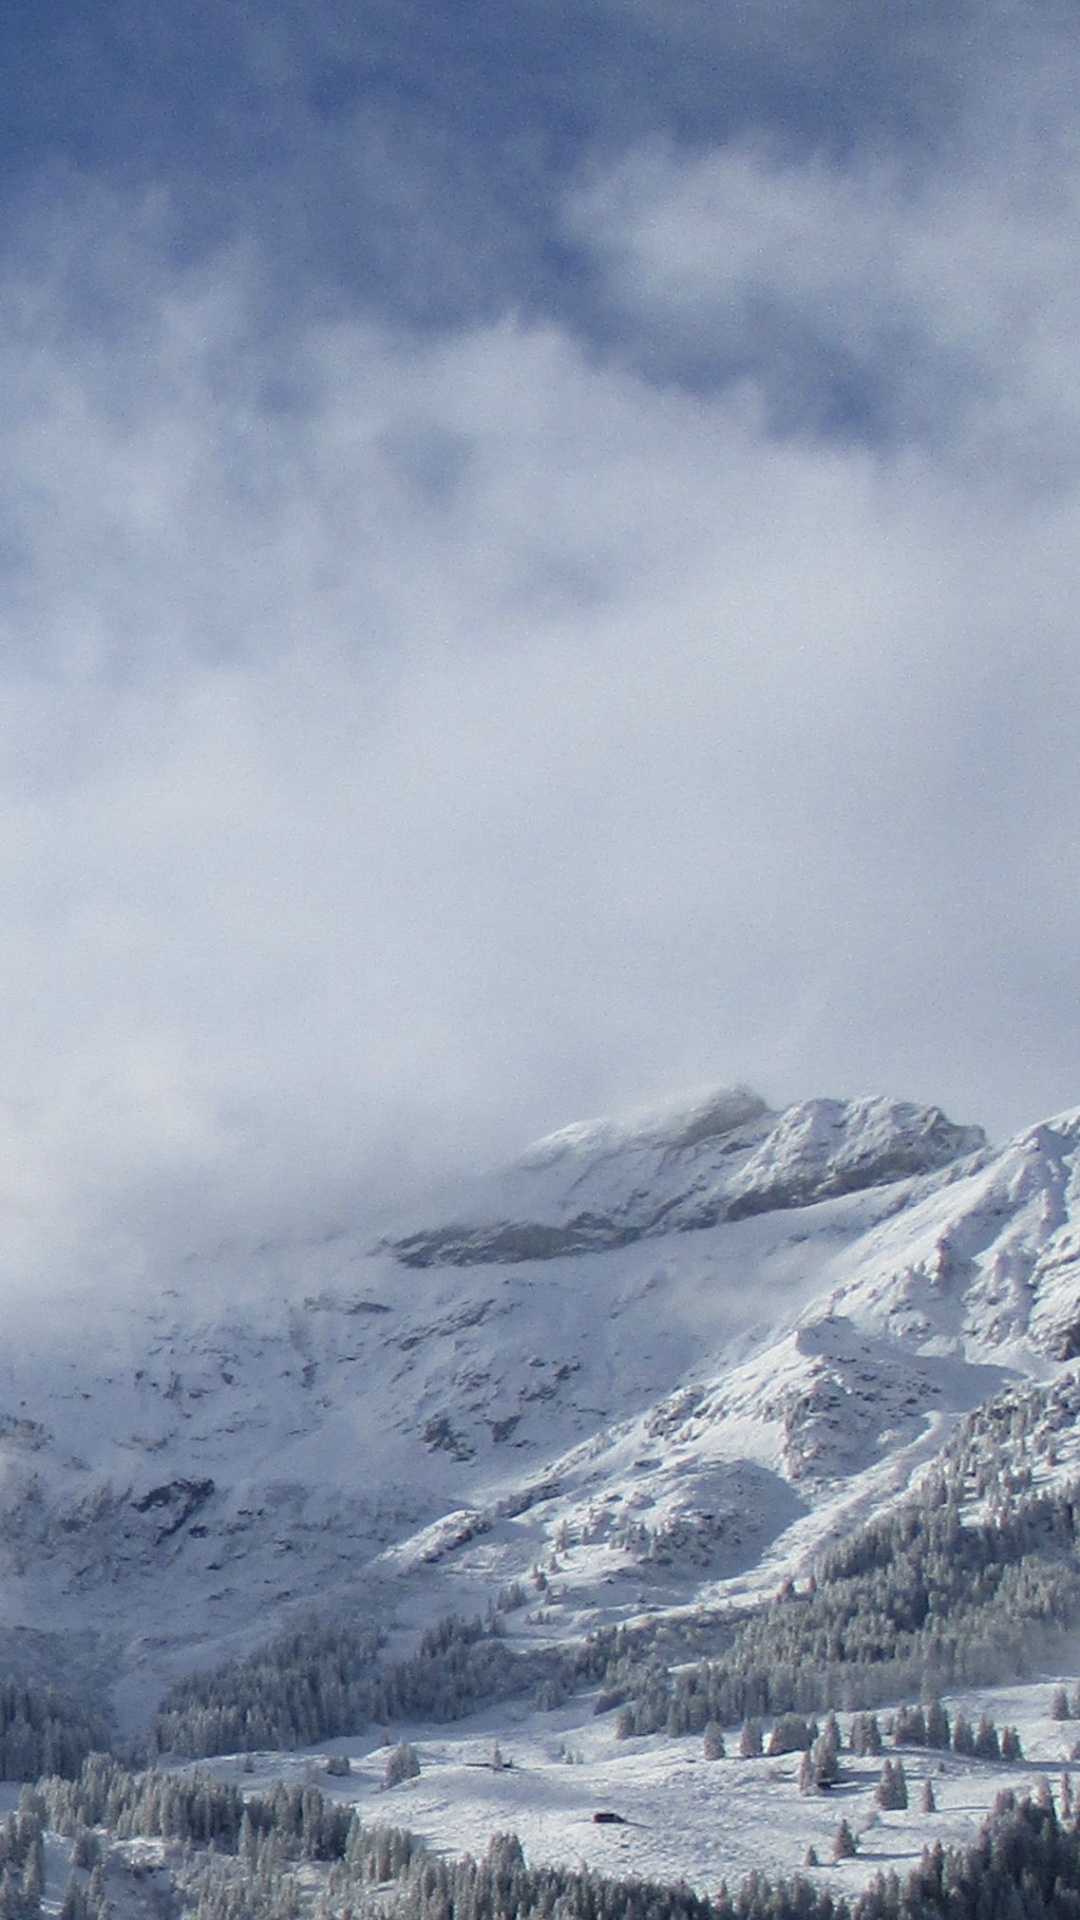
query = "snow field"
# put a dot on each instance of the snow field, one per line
(681, 1817)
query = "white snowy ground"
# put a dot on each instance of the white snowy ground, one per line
(685, 1818)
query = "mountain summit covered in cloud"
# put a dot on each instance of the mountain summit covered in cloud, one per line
(603, 1185)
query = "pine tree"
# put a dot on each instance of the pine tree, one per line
(937, 1725)
(73, 1904)
(963, 1740)
(865, 1734)
(87, 1847)
(910, 1727)
(824, 1759)
(402, 1763)
(892, 1793)
(32, 1884)
(844, 1846)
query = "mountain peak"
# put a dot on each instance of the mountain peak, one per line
(605, 1183)
(679, 1123)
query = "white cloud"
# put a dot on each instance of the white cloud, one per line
(408, 746)
(952, 294)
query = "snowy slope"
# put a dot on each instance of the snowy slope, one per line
(681, 1817)
(668, 1357)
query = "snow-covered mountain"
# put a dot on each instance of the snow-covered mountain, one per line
(666, 1359)
(602, 1185)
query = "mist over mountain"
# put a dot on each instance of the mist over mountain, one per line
(683, 1352)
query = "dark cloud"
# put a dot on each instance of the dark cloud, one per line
(415, 155)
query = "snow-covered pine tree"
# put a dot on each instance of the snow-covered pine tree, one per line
(892, 1793)
(402, 1763)
(844, 1846)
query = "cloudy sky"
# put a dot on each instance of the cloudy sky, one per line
(539, 556)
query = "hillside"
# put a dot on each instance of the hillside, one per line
(664, 1360)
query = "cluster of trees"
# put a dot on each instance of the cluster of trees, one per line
(460, 1666)
(41, 1733)
(821, 1748)
(308, 1685)
(288, 1822)
(22, 1859)
(22, 1867)
(930, 1726)
(910, 1598)
(187, 1807)
(997, 1445)
(820, 1767)
(317, 1683)
(892, 1789)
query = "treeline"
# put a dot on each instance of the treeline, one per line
(1026, 1866)
(317, 1683)
(307, 1685)
(288, 1823)
(914, 1599)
